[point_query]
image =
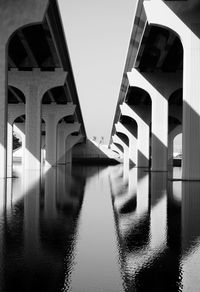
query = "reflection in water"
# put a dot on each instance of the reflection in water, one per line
(58, 231)
(159, 235)
(39, 233)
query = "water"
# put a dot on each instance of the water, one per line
(85, 229)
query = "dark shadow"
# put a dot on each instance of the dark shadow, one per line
(90, 153)
(188, 12)
(123, 137)
(140, 101)
(39, 231)
(130, 124)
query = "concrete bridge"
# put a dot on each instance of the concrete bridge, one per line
(160, 88)
(37, 88)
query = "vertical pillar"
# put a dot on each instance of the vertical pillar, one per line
(126, 162)
(170, 150)
(42, 149)
(159, 132)
(159, 126)
(143, 144)
(68, 156)
(31, 13)
(70, 142)
(132, 141)
(51, 139)
(52, 113)
(64, 130)
(142, 135)
(133, 149)
(34, 84)
(9, 149)
(170, 156)
(117, 140)
(191, 108)
(3, 110)
(61, 144)
(33, 129)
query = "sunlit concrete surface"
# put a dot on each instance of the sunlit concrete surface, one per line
(162, 62)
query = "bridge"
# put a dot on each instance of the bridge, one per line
(39, 100)
(159, 94)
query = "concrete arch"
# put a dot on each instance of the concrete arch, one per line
(130, 124)
(140, 93)
(166, 19)
(56, 94)
(51, 114)
(143, 131)
(130, 141)
(71, 141)
(18, 109)
(140, 90)
(159, 112)
(63, 131)
(15, 95)
(29, 14)
(117, 147)
(21, 27)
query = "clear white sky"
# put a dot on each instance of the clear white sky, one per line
(98, 34)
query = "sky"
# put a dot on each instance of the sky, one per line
(97, 35)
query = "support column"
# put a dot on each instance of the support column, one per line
(51, 137)
(52, 114)
(34, 84)
(159, 126)
(70, 142)
(159, 133)
(33, 11)
(132, 142)
(33, 129)
(191, 86)
(61, 144)
(43, 150)
(9, 150)
(117, 140)
(143, 135)
(191, 109)
(3, 110)
(143, 145)
(64, 130)
(68, 156)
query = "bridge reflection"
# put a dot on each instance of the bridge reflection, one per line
(57, 229)
(159, 233)
(39, 229)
